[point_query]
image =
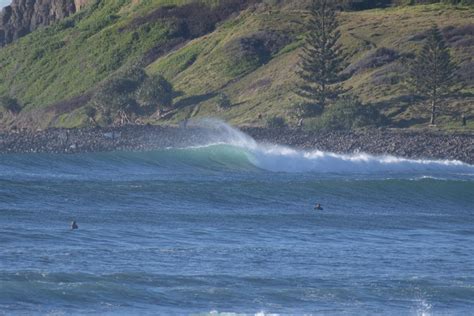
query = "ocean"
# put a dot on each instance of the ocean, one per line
(228, 226)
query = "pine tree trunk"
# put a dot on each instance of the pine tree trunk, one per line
(433, 111)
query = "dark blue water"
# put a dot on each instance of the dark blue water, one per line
(231, 229)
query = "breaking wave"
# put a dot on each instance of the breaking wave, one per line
(231, 146)
(228, 149)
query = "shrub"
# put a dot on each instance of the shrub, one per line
(90, 112)
(306, 109)
(276, 122)
(247, 53)
(10, 104)
(349, 113)
(223, 101)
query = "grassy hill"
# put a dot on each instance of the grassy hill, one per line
(245, 49)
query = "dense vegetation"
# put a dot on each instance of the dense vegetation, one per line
(232, 59)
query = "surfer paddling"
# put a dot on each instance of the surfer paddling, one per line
(318, 207)
(74, 225)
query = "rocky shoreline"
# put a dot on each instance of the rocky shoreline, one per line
(408, 144)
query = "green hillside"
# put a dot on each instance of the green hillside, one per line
(249, 52)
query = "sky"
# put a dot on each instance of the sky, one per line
(4, 3)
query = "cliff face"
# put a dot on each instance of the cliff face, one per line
(24, 16)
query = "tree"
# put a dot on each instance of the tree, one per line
(10, 105)
(133, 72)
(115, 97)
(322, 60)
(155, 93)
(432, 74)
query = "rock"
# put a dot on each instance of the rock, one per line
(25, 16)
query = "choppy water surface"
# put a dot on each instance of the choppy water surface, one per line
(229, 227)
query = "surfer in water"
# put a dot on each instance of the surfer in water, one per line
(318, 207)
(74, 225)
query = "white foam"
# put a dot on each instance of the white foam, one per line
(285, 159)
(423, 308)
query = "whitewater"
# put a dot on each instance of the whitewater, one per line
(227, 225)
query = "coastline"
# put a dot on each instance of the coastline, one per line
(404, 144)
(378, 142)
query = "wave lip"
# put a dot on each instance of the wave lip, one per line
(279, 158)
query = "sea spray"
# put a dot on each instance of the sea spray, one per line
(279, 158)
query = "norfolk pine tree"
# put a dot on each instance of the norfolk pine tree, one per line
(322, 60)
(432, 74)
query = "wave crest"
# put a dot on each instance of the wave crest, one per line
(279, 158)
